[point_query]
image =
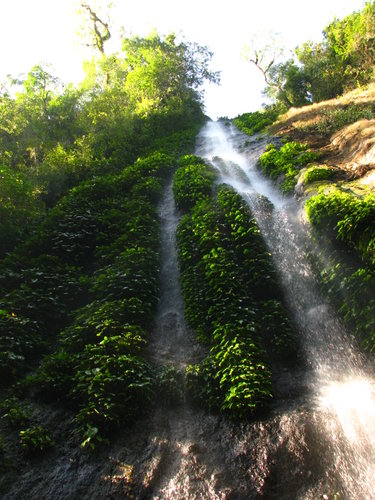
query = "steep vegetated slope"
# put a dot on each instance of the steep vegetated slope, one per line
(325, 159)
(85, 286)
(82, 172)
(232, 299)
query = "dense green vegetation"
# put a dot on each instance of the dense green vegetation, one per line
(81, 170)
(251, 123)
(231, 300)
(347, 222)
(192, 182)
(349, 217)
(286, 162)
(144, 98)
(104, 237)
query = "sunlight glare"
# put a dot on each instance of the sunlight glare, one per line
(353, 401)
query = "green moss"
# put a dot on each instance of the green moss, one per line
(315, 173)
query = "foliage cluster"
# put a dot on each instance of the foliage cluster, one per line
(286, 161)
(233, 302)
(348, 221)
(79, 233)
(192, 182)
(19, 208)
(34, 437)
(107, 229)
(349, 218)
(52, 137)
(251, 123)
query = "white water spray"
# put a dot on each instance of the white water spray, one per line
(343, 396)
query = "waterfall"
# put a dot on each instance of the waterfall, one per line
(342, 393)
(172, 342)
(316, 441)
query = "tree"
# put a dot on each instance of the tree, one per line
(344, 59)
(98, 30)
(287, 84)
(352, 41)
(25, 125)
(18, 207)
(323, 72)
(162, 72)
(267, 56)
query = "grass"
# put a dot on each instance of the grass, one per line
(327, 117)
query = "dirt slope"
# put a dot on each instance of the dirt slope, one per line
(342, 130)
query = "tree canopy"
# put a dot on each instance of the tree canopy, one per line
(343, 60)
(53, 136)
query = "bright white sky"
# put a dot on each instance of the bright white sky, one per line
(34, 31)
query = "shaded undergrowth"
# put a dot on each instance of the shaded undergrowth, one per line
(344, 229)
(80, 297)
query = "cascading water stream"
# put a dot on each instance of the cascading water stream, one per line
(172, 342)
(342, 394)
(315, 441)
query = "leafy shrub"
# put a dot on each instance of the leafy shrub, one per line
(251, 123)
(19, 208)
(241, 370)
(349, 218)
(227, 279)
(177, 143)
(20, 340)
(15, 414)
(192, 182)
(54, 377)
(98, 367)
(350, 284)
(98, 320)
(35, 439)
(157, 165)
(112, 388)
(106, 227)
(287, 161)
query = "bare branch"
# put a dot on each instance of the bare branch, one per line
(100, 29)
